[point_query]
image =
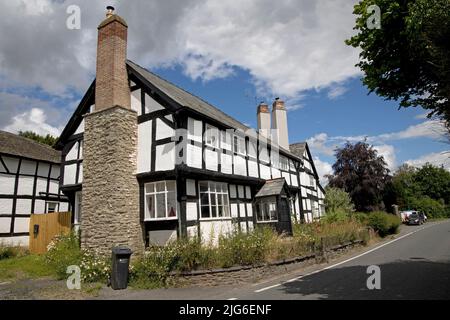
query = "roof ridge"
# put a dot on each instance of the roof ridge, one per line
(192, 94)
(30, 140)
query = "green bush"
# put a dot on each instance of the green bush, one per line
(62, 252)
(65, 251)
(337, 201)
(383, 223)
(7, 251)
(339, 216)
(93, 268)
(432, 208)
(245, 248)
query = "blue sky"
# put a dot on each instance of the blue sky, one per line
(231, 55)
(353, 113)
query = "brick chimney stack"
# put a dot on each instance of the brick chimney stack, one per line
(263, 115)
(279, 124)
(111, 87)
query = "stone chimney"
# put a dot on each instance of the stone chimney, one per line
(110, 207)
(263, 116)
(279, 124)
(111, 86)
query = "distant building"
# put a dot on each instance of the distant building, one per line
(29, 183)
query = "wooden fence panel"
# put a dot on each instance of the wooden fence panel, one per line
(50, 225)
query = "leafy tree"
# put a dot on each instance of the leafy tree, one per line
(401, 187)
(337, 200)
(426, 189)
(47, 139)
(433, 182)
(361, 172)
(408, 58)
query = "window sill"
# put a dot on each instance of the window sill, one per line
(160, 219)
(215, 219)
(269, 221)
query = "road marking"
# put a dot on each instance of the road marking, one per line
(3, 283)
(345, 261)
(232, 299)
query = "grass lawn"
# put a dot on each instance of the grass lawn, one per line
(29, 266)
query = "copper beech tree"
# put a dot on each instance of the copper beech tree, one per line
(361, 172)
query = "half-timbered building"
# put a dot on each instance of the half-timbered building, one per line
(183, 168)
(29, 183)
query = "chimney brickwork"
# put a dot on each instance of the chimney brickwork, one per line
(110, 206)
(112, 88)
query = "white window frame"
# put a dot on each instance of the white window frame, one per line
(240, 145)
(154, 193)
(225, 206)
(56, 203)
(266, 204)
(211, 132)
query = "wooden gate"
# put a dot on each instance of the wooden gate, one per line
(44, 227)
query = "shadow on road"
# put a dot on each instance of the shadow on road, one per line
(405, 279)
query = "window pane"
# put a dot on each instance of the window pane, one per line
(273, 211)
(160, 187)
(225, 199)
(204, 199)
(203, 186)
(213, 212)
(151, 206)
(225, 211)
(150, 187)
(160, 205)
(219, 199)
(170, 185)
(171, 204)
(220, 211)
(213, 199)
(266, 215)
(205, 211)
(259, 212)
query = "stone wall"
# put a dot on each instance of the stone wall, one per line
(110, 206)
(252, 274)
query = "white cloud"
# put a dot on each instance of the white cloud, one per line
(433, 129)
(287, 46)
(319, 144)
(323, 168)
(436, 158)
(336, 92)
(34, 120)
(422, 116)
(388, 152)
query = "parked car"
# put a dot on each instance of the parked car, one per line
(423, 216)
(405, 215)
(415, 219)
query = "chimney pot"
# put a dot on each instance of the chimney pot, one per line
(109, 11)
